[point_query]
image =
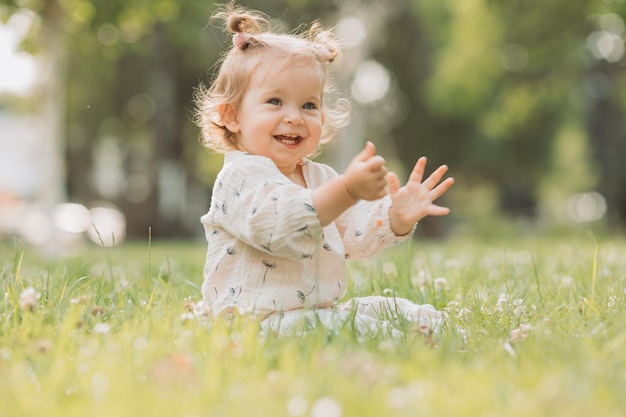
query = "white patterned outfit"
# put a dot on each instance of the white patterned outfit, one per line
(268, 253)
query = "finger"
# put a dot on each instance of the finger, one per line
(439, 190)
(435, 210)
(367, 152)
(418, 170)
(434, 178)
(393, 182)
(375, 163)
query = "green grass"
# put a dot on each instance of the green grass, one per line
(110, 335)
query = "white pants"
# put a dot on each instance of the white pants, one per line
(368, 315)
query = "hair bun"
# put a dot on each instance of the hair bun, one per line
(241, 40)
(243, 22)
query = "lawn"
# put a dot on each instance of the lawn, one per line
(536, 327)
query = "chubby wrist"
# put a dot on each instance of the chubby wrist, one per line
(348, 188)
(399, 226)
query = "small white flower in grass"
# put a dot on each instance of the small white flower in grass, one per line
(187, 317)
(509, 349)
(188, 304)
(5, 355)
(140, 343)
(420, 279)
(452, 307)
(386, 345)
(567, 282)
(396, 398)
(99, 386)
(521, 332)
(502, 303)
(28, 299)
(452, 264)
(388, 292)
(463, 313)
(81, 299)
(389, 269)
(203, 310)
(519, 307)
(101, 328)
(326, 407)
(401, 397)
(297, 406)
(441, 284)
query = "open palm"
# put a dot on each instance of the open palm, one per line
(414, 201)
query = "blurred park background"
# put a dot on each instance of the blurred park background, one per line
(523, 99)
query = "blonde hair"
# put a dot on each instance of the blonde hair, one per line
(252, 42)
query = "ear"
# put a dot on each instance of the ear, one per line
(228, 116)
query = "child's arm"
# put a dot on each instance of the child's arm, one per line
(414, 201)
(364, 179)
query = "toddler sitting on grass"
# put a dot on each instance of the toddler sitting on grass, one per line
(281, 226)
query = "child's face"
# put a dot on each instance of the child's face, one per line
(280, 115)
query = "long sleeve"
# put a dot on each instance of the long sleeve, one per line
(267, 250)
(259, 206)
(366, 229)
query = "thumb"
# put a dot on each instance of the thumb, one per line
(368, 152)
(393, 182)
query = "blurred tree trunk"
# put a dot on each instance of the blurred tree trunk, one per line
(53, 187)
(168, 170)
(607, 134)
(53, 102)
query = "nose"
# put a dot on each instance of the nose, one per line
(293, 116)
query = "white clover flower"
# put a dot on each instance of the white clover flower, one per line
(297, 406)
(502, 303)
(141, 343)
(386, 345)
(463, 313)
(452, 264)
(188, 316)
(388, 292)
(399, 397)
(28, 299)
(326, 407)
(519, 307)
(509, 349)
(567, 282)
(81, 299)
(203, 310)
(420, 279)
(440, 284)
(521, 332)
(389, 269)
(452, 306)
(188, 304)
(101, 328)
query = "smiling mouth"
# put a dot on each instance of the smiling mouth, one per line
(288, 139)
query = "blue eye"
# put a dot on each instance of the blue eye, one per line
(309, 106)
(274, 101)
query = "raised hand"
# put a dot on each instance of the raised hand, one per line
(414, 201)
(365, 177)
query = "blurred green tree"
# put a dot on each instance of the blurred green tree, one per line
(483, 85)
(487, 87)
